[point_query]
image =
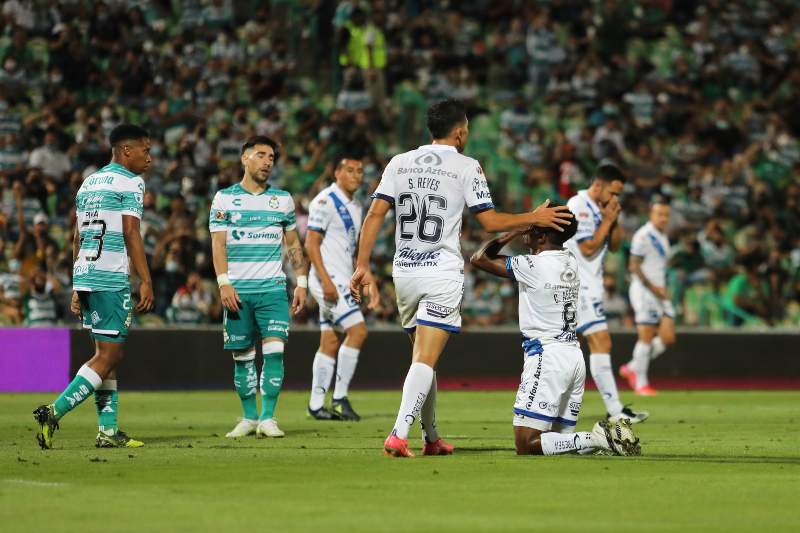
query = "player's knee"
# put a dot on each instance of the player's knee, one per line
(248, 354)
(356, 335)
(524, 441)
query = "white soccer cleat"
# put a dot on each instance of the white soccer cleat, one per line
(634, 417)
(269, 428)
(244, 428)
(617, 438)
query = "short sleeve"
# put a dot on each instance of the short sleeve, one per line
(290, 219)
(523, 269)
(639, 244)
(219, 219)
(133, 198)
(386, 187)
(585, 219)
(320, 214)
(476, 189)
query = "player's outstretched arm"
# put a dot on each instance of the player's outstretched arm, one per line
(543, 216)
(488, 257)
(300, 266)
(135, 246)
(219, 254)
(363, 281)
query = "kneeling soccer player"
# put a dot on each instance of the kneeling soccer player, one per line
(249, 221)
(551, 390)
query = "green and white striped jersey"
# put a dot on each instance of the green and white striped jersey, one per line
(102, 200)
(255, 224)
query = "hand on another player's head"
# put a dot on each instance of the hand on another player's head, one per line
(556, 217)
(145, 297)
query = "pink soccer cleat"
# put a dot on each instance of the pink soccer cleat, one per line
(627, 373)
(647, 390)
(437, 447)
(394, 446)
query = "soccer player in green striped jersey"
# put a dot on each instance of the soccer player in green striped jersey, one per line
(250, 224)
(109, 208)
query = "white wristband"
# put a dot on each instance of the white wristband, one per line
(223, 280)
(302, 282)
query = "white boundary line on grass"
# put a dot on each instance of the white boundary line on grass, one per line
(35, 483)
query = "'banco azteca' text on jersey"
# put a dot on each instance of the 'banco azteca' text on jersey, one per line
(339, 219)
(429, 187)
(104, 197)
(255, 225)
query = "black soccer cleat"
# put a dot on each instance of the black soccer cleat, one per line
(344, 410)
(634, 417)
(322, 414)
(45, 416)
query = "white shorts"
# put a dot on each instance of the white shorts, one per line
(551, 390)
(431, 302)
(647, 308)
(342, 315)
(591, 315)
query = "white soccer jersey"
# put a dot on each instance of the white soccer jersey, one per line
(652, 247)
(589, 219)
(255, 225)
(104, 197)
(429, 187)
(548, 297)
(339, 219)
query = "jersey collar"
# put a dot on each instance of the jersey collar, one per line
(118, 168)
(443, 147)
(340, 193)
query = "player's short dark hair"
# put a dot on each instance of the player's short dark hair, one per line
(659, 200)
(349, 156)
(262, 139)
(555, 236)
(127, 132)
(444, 116)
(608, 172)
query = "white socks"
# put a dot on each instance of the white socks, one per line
(428, 414)
(322, 372)
(415, 391)
(658, 347)
(559, 443)
(641, 362)
(603, 376)
(345, 368)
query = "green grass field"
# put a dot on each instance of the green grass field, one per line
(712, 461)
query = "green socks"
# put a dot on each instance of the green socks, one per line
(105, 399)
(245, 379)
(84, 384)
(271, 378)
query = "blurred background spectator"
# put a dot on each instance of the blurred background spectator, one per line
(696, 101)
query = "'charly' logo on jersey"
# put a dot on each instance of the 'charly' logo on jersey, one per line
(428, 158)
(273, 202)
(237, 235)
(568, 275)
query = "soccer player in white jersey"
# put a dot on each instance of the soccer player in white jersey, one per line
(109, 206)
(550, 394)
(334, 220)
(429, 187)
(655, 318)
(597, 209)
(250, 222)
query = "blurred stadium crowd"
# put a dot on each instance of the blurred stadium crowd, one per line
(696, 101)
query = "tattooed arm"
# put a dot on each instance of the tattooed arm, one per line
(300, 266)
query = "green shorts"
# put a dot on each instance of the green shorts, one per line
(107, 314)
(260, 316)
